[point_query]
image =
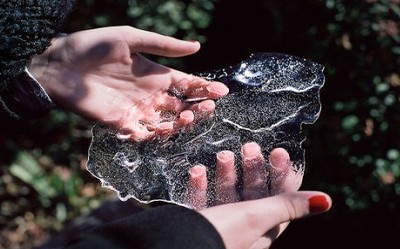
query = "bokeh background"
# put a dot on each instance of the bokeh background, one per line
(352, 151)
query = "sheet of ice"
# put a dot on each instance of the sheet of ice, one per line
(271, 96)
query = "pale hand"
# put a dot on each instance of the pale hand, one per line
(101, 74)
(257, 216)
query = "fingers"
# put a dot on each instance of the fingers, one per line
(283, 179)
(254, 172)
(170, 103)
(225, 178)
(194, 87)
(159, 123)
(149, 42)
(197, 187)
(136, 131)
(282, 174)
(198, 90)
(171, 106)
(186, 118)
(203, 109)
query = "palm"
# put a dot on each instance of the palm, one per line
(106, 78)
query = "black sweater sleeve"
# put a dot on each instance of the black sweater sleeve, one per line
(26, 29)
(165, 227)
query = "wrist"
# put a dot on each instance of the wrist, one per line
(45, 67)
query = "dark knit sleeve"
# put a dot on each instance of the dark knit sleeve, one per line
(163, 227)
(26, 29)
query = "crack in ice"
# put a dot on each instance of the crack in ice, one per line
(270, 128)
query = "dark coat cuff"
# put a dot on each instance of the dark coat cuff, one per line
(163, 227)
(24, 97)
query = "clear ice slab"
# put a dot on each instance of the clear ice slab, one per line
(271, 95)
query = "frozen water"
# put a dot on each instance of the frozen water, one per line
(271, 96)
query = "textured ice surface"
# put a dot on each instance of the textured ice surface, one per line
(271, 96)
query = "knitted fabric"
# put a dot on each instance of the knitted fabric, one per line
(26, 29)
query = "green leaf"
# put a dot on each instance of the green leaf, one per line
(28, 170)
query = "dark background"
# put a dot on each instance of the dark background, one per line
(352, 151)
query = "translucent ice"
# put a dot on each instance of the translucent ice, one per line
(271, 96)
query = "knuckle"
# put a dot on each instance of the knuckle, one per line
(291, 208)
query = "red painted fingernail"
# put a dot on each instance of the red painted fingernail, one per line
(318, 203)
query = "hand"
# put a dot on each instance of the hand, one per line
(280, 178)
(100, 74)
(257, 223)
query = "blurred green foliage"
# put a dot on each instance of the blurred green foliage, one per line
(186, 20)
(43, 181)
(365, 37)
(174, 18)
(352, 151)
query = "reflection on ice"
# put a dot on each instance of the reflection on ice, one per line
(249, 75)
(271, 96)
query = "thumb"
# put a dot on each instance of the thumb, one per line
(153, 43)
(289, 207)
(244, 223)
(293, 205)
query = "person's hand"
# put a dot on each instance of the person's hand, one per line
(100, 74)
(257, 182)
(257, 223)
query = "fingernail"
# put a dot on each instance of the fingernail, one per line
(197, 171)
(279, 159)
(187, 115)
(194, 41)
(318, 203)
(225, 156)
(251, 150)
(218, 90)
